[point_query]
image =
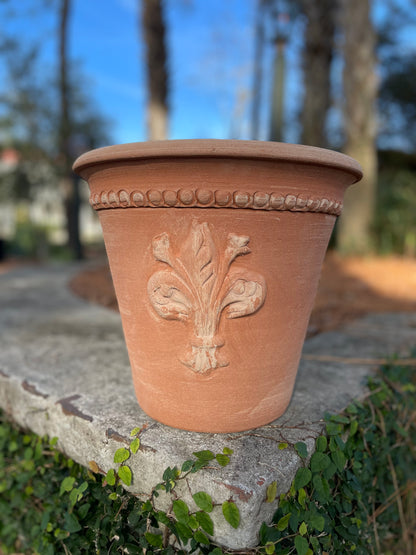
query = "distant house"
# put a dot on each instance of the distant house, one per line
(43, 209)
(9, 159)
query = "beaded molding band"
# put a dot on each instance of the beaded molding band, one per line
(205, 198)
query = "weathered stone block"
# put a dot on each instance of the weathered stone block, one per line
(64, 372)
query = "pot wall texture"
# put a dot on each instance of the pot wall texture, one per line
(215, 256)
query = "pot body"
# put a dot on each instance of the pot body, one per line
(215, 260)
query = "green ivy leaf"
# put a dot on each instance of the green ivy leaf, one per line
(283, 522)
(302, 497)
(333, 428)
(231, 513)
(124, 473)
(271, 492)
(204, 456)
(169, 485)
(83, 511)
(180, 508)
(197, 465)
(67, 484)
(193, 522)
(134, 445)
(74, 496)
(121, 455)
(319, 462)
(315, 545)
(71, 523)
(353, 427)
(49, 527)
(339, 442)
(301, 545)
(303, 529)
(330, 471)
(184, 532)
(61, 534)
(317, 521)
(228, 451)
(110, 477)
(339, 418)
(322, 489)
(187, 465)
(332, 444)
(169, 474)
(321, 444)
(163, 518)
(205, 521)
(147, 507)
(200, 537)
(133, 549)
(135, 431)
(339, 460)
(29, 490)
(301, 449)
(203, 500)
(222, 460)
(268, 534)
(113, 496)
(352, 409)
(155, 540)
(283, 445)
(302, 478)
(269, 548)
(83, 487)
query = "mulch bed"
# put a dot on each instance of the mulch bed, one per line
(349, 288)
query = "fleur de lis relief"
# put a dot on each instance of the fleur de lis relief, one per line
(198, 286)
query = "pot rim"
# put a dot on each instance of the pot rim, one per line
(219, 148)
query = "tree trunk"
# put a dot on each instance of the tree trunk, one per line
(257, 71)
(317, 58)
(156, 63)
(70, 183)
(360, 91)
(278, 91)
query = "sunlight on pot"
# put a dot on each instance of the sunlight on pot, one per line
(215, 249)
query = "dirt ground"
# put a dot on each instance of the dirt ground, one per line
(349, 288)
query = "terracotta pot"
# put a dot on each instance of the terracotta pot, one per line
(215, 249)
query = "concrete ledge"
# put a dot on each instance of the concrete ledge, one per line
(64, 372)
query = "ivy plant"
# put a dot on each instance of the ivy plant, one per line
(179, 525)
(358, 492)
(49, 504)
(355, 493)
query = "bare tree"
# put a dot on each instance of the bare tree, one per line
(259, 38)
(317, 58)
(154, 29)
(69, 182)
(280, 39)
(360, 91)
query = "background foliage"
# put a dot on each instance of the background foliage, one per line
(208, 69)
(395, 222)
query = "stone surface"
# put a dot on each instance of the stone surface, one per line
(64, 372)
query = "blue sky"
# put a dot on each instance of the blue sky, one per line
(210, 61)
(211, 55)
(210, 49)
